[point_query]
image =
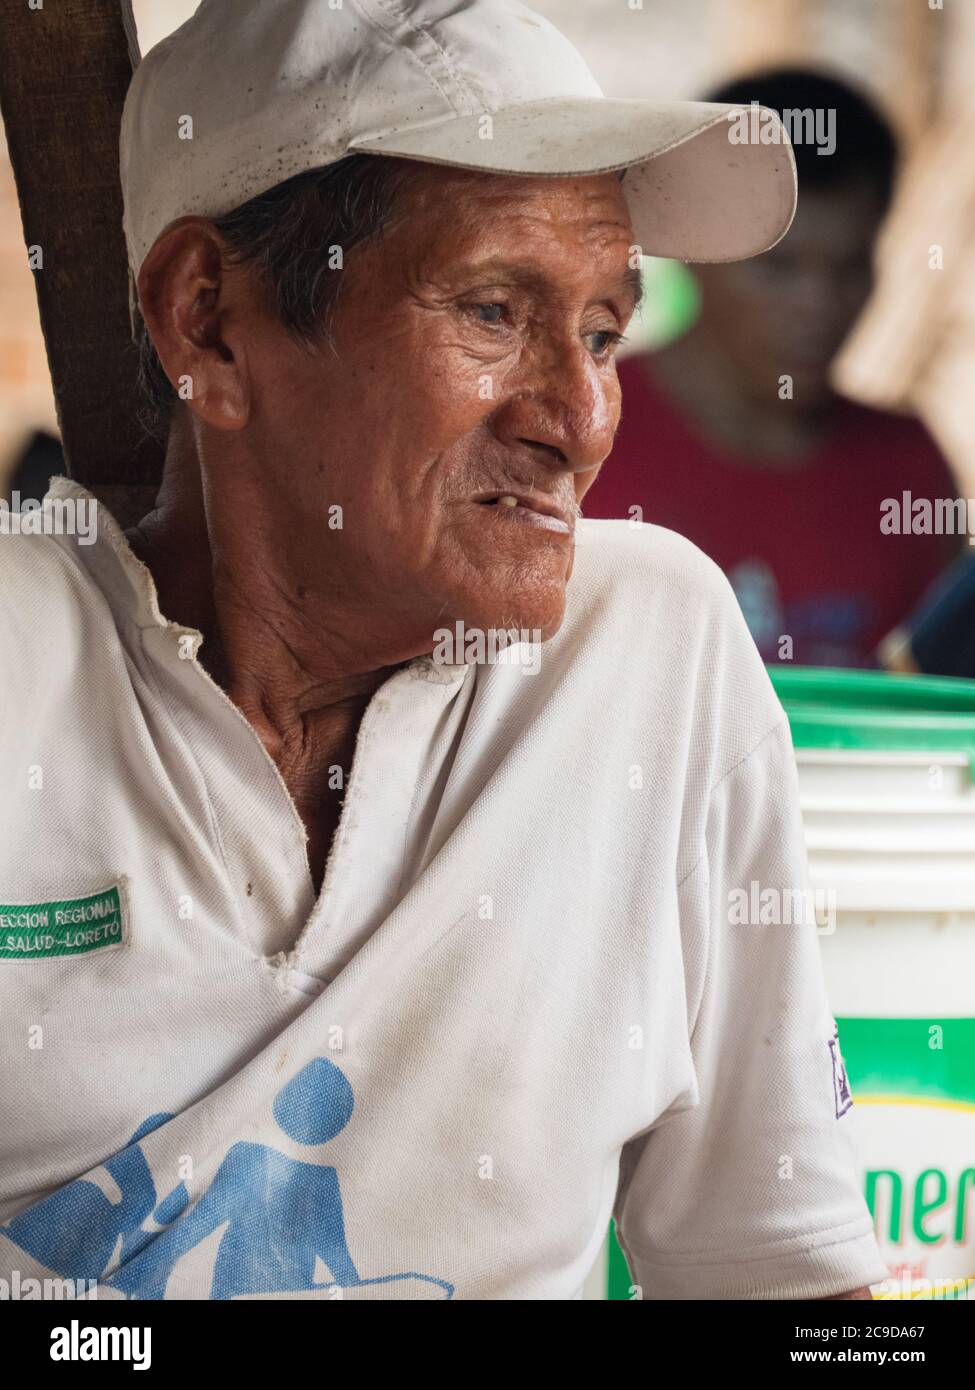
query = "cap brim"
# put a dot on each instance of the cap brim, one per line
(694, 194)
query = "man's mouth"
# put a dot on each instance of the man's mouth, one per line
(529, 510)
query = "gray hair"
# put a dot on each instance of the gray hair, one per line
(289, 234)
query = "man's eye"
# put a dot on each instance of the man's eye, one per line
(602, 341)
(493, 309)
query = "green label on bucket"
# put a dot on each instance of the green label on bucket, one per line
(913, 1082)
(923, 1058)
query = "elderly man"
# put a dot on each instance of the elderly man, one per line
(335, 961)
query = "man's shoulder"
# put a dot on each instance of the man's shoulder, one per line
(651, 565)
(648, 606)
(36, 574)
(47, 602)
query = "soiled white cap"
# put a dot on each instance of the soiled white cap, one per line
(272, 88)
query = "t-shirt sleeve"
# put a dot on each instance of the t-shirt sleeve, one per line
(747, 1186)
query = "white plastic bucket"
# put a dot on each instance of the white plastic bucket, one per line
(891, 842)
(888, 801)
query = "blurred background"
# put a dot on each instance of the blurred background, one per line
(771, 411)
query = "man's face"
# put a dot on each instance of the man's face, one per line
(473, 360)
(788, 311)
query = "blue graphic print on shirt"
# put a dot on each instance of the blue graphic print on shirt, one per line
(283, 1218)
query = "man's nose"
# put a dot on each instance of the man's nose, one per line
(564, 410)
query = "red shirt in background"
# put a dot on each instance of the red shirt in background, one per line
(802, 545)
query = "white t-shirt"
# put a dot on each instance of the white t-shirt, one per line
(519, 1005)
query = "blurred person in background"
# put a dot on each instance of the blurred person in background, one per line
(734, 436)
(39, 460)
(938, 639)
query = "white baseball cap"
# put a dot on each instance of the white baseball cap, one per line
(248, 93)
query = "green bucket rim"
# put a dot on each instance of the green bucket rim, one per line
(832, 708)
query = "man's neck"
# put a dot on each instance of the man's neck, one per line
(301, 684)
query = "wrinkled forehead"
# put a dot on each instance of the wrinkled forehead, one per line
(446, 189)
(448, 213)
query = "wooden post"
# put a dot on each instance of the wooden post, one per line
(64, 71)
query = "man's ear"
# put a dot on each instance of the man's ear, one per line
(188, 304)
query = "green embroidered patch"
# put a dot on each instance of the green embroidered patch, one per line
(72, 927)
